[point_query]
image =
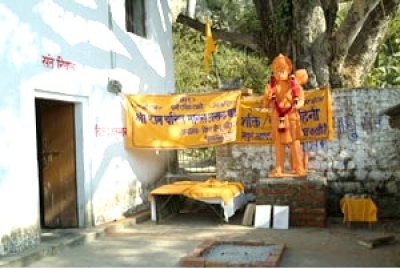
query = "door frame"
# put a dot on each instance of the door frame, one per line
(83, 182)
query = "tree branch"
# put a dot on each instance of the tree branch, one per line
(347, 33)
(365, 48)
(246, 40)
(351, 26)
(331, 8)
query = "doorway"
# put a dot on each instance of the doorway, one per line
(55, 127)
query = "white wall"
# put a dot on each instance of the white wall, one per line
(80, 32)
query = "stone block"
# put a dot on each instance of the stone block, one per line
(263, 216)
(280, 217)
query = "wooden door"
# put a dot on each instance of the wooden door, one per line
(56, 148)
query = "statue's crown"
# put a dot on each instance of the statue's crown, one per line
(282, 62)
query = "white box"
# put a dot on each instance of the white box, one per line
(280, 217)
(263, 216)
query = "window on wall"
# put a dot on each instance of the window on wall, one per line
(135, 14)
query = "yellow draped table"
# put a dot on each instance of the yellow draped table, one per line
(358, 210)
(229, 195)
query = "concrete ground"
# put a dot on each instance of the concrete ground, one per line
(147, 244)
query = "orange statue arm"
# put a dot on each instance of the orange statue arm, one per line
(301, 77)
(267, 96)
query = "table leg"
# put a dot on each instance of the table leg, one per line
(218, 210)
(165, 206)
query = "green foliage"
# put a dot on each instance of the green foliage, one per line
(230, 62)
(247, 20)
(188, 60)
(386, 69)
(198, 153)
(282, 17)
(231, 16)
(343, 10)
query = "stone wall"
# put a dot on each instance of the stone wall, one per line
(363, 156)
(19, 240)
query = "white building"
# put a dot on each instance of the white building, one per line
(63, 162)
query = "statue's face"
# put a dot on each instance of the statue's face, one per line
(281, 67)
(281, 73)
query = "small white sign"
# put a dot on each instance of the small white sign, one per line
(280, 217)
(263, 216)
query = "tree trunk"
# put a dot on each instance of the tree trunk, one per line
(363, 51)
(304, 31)
(312, 48)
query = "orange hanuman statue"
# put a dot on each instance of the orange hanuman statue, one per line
(286, 95)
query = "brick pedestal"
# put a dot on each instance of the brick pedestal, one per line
(305, 196)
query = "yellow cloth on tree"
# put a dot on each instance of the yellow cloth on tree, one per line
(210, 47)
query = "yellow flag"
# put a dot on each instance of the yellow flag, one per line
(210, 47)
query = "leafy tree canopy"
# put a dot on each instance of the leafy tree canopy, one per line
(337, 46)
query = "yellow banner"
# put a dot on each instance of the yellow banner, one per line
(254, 126)
(182, 120)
